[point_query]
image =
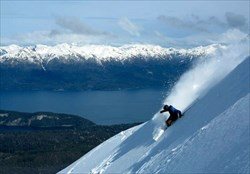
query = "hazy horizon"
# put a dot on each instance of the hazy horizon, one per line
(165, 23)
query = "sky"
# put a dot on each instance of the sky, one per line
(165, 23)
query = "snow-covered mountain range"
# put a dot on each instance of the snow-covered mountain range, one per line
(44, 53)
(212, 137)
(72, 67)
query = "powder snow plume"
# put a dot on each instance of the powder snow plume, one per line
(205, 74)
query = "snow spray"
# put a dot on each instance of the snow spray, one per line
(207, 72)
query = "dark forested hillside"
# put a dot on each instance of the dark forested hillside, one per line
(47, 142)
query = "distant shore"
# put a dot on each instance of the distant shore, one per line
(46, 142)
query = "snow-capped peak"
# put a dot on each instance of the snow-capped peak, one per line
(99, 52)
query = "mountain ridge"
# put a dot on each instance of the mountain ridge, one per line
(44, 54)
(96, 67)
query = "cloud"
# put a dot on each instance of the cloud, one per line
(76, 26)
(71, 30)
(230, 36)
(54, 33)
(182, 24)
(211, 21)
(202, 31)
(210, 24)
(185, 32)
(236, 21)
(55, 37)
(129, 26)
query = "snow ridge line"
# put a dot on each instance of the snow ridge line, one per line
(44, 53)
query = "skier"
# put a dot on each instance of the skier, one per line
(174, 114)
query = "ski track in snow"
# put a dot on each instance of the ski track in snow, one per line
(109, 145)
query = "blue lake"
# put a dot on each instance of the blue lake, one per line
(101, 107)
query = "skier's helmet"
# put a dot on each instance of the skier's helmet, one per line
(165, 107)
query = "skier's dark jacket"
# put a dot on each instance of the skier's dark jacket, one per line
(174, 113)
(172, 110)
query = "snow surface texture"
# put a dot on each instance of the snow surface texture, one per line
(43, 54)
(213, 136)
(220, 146)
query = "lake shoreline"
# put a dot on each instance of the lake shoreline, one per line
(101, 107)
(41, 143)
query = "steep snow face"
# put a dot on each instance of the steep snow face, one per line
(220, 146)
(103, 151)
(44, 54)
(213, 136)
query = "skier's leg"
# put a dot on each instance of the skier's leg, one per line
(175, 117)
(168, 122)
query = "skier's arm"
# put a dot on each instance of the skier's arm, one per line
(163, 111)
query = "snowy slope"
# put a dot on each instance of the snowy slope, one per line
(220, 146)
(44, 54)
(213, 136)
